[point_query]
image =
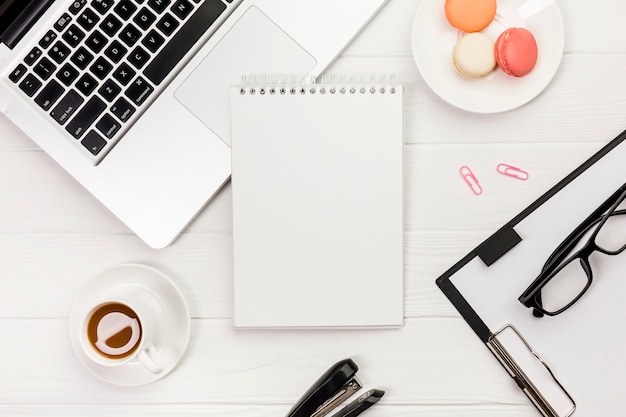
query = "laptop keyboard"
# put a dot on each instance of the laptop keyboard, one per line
(98, 67)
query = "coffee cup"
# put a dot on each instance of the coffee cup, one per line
(122, 329)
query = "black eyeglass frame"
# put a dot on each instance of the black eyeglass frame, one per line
(559, 259)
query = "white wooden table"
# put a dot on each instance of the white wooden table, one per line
(54, 236)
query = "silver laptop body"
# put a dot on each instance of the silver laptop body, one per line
(131, 97)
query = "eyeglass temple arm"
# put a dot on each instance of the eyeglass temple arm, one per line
(570, 241)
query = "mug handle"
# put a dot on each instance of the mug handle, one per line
(146, 358)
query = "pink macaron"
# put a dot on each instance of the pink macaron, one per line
(516, 51)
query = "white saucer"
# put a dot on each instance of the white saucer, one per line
(433, 39)
(173, 336)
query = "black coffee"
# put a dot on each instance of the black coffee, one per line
(114, 330)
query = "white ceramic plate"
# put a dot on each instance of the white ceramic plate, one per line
(175, 320)
(433, 39)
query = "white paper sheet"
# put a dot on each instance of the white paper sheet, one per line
(317, 200)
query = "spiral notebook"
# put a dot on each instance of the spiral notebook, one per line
(317, 181)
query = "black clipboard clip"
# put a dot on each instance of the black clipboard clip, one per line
(336, 385)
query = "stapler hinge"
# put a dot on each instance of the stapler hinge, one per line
(350, 387)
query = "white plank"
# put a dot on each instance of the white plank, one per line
(575, 107)
(443, 221)
(437, 198)
(41, 280)
(428, 361)
(587, 29)
(259, 410)
(255, 410)
(43, 273)
(37, 196)
(54, 236)
(12, 138)
(597, 29)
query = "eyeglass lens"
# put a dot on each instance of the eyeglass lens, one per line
(612, 236)
(572, 279)
(566, 285)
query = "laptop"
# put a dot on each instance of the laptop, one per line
(131, 97)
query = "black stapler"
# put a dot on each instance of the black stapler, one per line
(336, 385)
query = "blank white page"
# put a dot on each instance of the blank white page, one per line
(317, 183)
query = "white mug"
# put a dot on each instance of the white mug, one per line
(121, 329)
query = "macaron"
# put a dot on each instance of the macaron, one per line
(473, 55)
(516, 51)
(470, 15)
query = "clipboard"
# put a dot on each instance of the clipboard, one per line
(573, 363)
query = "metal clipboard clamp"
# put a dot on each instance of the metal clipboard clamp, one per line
(330, 390)
(522, 379)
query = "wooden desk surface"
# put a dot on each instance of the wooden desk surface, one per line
(54, 236)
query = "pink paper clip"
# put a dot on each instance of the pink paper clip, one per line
(471, 180)
(511, 171)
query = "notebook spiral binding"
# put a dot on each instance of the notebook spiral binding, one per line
(327, 84)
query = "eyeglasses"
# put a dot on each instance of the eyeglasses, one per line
(567, 273)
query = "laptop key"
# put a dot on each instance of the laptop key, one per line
(138, 91)
(108, 126)
(130, 34)
(102, 6)
(115, 51)
(138, 57)
(122, 109)
(96, 41)
(159, 6)
(85, 117)
(183, 40)
(144, 18)
(110, 25)
(182, 8)
(125, 9)
(124, 73)
(93, 142)
(59, 52)
(47, 40)
(44, 68)
(82, 57)
(77, 6)
(32, 56)
(62, 22)
(67, 74)
(18, 73)
(66, 107)
(88, 19)
(30, 85)
(101, 68)
(86, 84)
(152, 41)
(73, 35)
(167, 24)
(109, 90)
(49, 95)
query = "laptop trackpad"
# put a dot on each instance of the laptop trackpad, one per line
(254, 45)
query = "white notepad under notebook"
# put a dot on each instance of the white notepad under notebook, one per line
(317, 179)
